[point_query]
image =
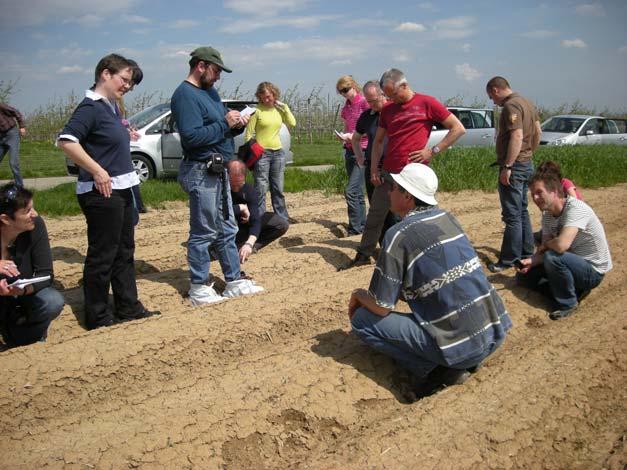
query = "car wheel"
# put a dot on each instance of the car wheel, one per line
(143, 167)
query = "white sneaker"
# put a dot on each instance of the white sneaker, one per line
(241, 287)
(201, 294)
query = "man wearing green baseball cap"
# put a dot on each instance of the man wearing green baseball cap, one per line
(206, 128)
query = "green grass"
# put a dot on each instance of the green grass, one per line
(328, 153)
(457, 169)
(37, 159)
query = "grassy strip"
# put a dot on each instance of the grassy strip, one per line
(457, 169)
(37, 159)
(327, 153)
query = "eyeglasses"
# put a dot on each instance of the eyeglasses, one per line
(126, 81)
(343, 91)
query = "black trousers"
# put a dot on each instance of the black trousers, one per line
(273, 226)
(110, 257)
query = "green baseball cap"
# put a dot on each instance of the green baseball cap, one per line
(209, 54)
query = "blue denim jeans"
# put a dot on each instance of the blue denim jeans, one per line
(10, 142)
(568, 276)
(270, 171)
(208, 227)
(354, 194)
(518, 237)
(27, 318)
(401, 337)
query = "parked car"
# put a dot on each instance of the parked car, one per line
(574, 129)
(158, 152)
(479, 124)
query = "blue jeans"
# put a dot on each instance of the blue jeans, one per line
(518, 237)
(27, 318)
(208, 228)
(568, 276)
(354, 194)
(270, 171)
(10, 142)
(401, 337)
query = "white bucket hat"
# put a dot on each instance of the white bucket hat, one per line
(418, 180)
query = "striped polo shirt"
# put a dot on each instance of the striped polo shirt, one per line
(590, 242)
(428, 261)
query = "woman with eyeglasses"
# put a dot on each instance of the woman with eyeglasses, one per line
(265, 124)
(98, 142)
(354, 193)
(25, 313)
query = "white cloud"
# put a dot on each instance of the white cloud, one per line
(539, 34)
(277, 45)
(244, 26)
(590, 9)
(454, 28)
(623, 50)
(427, 6)
(370, 23)
(86, 21)
(265, 7)
(466, 72)
(66, 69)
(135, 19)
(87, 12)
(578, 43)
(183, 24)
(342, 62)
(402, 56)
(466, 47)
(410, 27)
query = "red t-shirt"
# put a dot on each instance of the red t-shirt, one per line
(408, 128)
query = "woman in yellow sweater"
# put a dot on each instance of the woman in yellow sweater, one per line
(265, 125)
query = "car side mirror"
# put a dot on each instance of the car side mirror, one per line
(589, 132)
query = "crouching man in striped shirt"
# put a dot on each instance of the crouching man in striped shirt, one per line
(457, 318)
(573, 256)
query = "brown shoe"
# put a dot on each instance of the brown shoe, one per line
(360, 260)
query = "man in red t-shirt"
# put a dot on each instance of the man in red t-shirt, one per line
(406, 122)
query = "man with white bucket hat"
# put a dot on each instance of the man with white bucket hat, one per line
(457, 318)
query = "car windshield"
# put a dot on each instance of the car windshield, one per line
(562, 124)
(145, 117)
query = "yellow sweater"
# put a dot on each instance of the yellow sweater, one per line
(265, 124)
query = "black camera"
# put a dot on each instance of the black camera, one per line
(215, 164)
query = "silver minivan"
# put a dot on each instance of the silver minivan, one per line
(479, 124)
(158, 152)
(572, 129)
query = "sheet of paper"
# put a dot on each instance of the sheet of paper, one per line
(247, 111)
(341, 135)
(21, 283)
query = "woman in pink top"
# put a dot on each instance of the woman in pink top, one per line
(354, 192)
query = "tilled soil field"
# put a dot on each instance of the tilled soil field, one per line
(276, 380)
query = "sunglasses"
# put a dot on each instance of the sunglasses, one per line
(343, 91)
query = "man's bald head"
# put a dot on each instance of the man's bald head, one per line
(237, 174)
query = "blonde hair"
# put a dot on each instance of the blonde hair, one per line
(347, 81)
(267, 86)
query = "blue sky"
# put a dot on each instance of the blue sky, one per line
(554, 52)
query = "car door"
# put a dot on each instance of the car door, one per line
(590, 132)
(171, 149)
(615, 132)
(483, 125)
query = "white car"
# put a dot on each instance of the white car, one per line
(574, 129)
(158, 152)
(479, 124)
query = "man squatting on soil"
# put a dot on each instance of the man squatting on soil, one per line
(573, 256)
(457, 318)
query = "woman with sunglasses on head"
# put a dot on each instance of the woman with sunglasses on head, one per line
(97, 141)
(25, 313)
(354, 193)
(265, 124)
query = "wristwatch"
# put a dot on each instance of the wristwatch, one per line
(435, 150)
(507, 167)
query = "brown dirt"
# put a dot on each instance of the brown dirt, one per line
(275, 380)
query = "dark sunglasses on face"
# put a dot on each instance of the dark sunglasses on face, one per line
(343, 91)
